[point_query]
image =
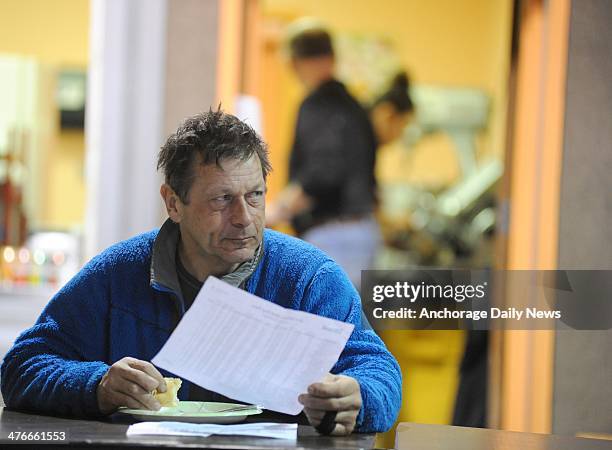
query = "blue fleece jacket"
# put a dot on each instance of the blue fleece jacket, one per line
(112, 309)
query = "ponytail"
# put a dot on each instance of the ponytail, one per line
(398, 95)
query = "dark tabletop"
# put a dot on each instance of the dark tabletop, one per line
(412, 436)
(111, 434)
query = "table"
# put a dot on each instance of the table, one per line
(111, 434)
(412, 436)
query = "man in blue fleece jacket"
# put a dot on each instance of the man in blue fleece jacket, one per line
(89, 351)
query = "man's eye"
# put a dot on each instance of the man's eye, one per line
(255, 194)
(255, 198)
(222, 199)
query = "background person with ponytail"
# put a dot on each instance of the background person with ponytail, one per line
(391, 112)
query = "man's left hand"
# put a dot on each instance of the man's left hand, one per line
(334, 393)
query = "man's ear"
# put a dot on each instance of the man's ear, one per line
(172, 201)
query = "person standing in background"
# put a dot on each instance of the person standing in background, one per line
(330, 198)
(331, 195)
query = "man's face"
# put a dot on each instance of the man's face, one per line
(222, 223)
(314, 70)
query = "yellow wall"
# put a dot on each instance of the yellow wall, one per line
(65, 204)
(56, 34)
(53, 31)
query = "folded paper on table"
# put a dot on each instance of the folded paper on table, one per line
(267, 430)
(252, 350)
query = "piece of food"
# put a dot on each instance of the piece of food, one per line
(170, 397)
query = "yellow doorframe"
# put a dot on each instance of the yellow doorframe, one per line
(527, 357)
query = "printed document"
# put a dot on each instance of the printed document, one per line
(251, 350)
(268, 430)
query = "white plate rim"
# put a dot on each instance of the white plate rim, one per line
(197, 415)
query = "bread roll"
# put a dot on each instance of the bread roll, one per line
(170, 397)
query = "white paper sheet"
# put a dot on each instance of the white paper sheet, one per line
(250, 349)
(268, 430)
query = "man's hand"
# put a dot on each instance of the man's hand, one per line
(129, 382)
(335, 393)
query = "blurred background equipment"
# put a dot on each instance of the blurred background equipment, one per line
(462, 113)
(444, 227)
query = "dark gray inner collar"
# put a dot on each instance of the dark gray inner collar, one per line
(163, 262)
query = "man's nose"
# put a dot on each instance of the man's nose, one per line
(240, 213)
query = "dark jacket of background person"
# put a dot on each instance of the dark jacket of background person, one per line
(333, 156)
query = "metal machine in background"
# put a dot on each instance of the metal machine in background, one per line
(446, 227)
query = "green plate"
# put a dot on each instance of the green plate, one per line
(194, 412)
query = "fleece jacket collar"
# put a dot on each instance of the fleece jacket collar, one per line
(163, 263)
